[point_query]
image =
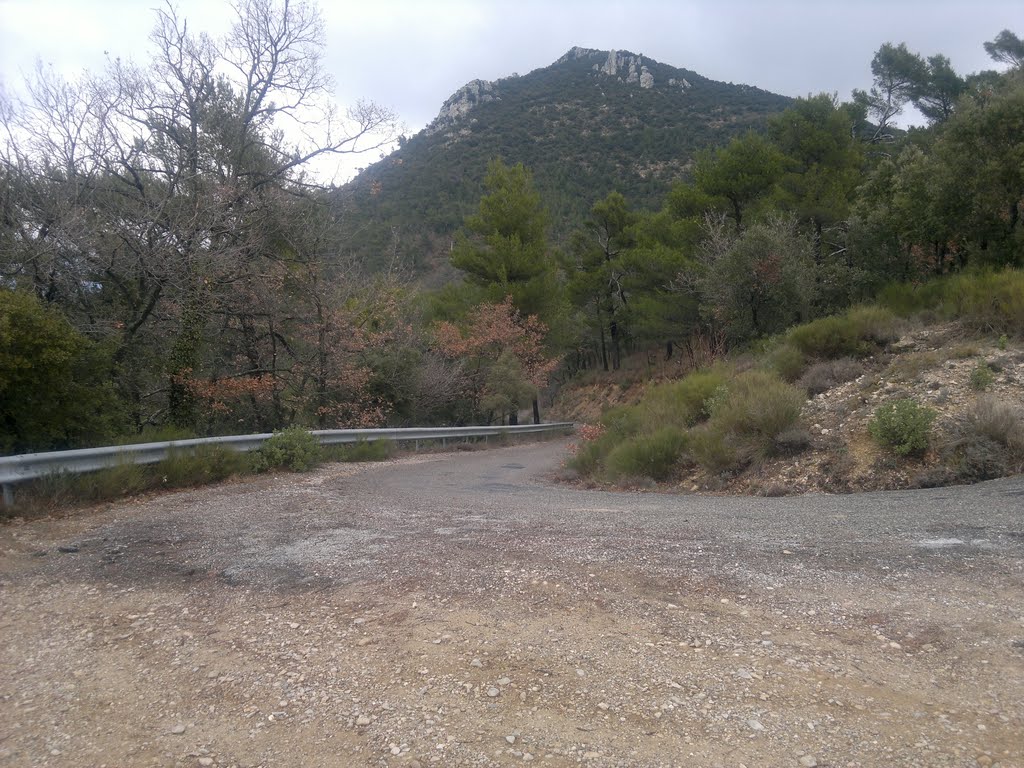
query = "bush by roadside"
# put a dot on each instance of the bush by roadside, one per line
(857, 333)
(293, 449)
(719, 419)
(983, 442)
(364, 450)
(904, 426)
(748, 415)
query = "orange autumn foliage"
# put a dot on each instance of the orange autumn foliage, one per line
(219, 395)
(492, 329)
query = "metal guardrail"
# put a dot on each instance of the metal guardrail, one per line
(29, 466)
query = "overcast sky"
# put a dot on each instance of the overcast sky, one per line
(410, 55)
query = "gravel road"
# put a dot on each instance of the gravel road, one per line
(460, 609)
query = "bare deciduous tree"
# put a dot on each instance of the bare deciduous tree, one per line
(153, 200)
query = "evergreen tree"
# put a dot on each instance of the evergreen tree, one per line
(897, 73)
(504, 249)
(55, 389)
(1007, 48)
(936, 96)
(823, 165)
(739, 173)
(596, 274)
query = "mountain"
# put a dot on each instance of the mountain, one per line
(592, 122)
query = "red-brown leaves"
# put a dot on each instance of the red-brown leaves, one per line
(492, 329)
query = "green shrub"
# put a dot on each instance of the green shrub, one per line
(757, 406)
(123, 479)
(981, 377)
(655, 455)
(721, 422)
(827, 338)
(681, 403)
(364, 450)
(792, 441)
(622, 421)
(642, 440)
(293, 448)
(964, 351)
(903, 426)
(787, 361)
(987, 302)
(183, 468)
(200, 465)
(693, 394)
(986, 442)
(715, 451)
(854, 334)
(908, 299)
(747, 417)
(588, 457)
(875, 324)
(618, 424)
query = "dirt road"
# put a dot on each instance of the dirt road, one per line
(457, 609)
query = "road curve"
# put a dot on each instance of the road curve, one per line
(460, 609)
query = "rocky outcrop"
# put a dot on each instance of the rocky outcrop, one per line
(460, 103)
(576, 53)
(626, 66)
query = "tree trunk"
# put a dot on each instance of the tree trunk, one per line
(604, 346)
(940, 257)
(616, 351)
(536, 411)
(818, 242)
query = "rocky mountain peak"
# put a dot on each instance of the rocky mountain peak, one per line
(459, 104)
(627, 67)
(623, 66)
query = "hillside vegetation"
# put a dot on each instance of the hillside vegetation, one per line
(582, 133)
(870, 399)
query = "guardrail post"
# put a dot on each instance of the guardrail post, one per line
(8, 495)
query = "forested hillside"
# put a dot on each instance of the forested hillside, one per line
(591, 123)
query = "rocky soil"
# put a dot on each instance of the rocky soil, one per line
(457, 609)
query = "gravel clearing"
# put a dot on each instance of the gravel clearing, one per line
(456, 609)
